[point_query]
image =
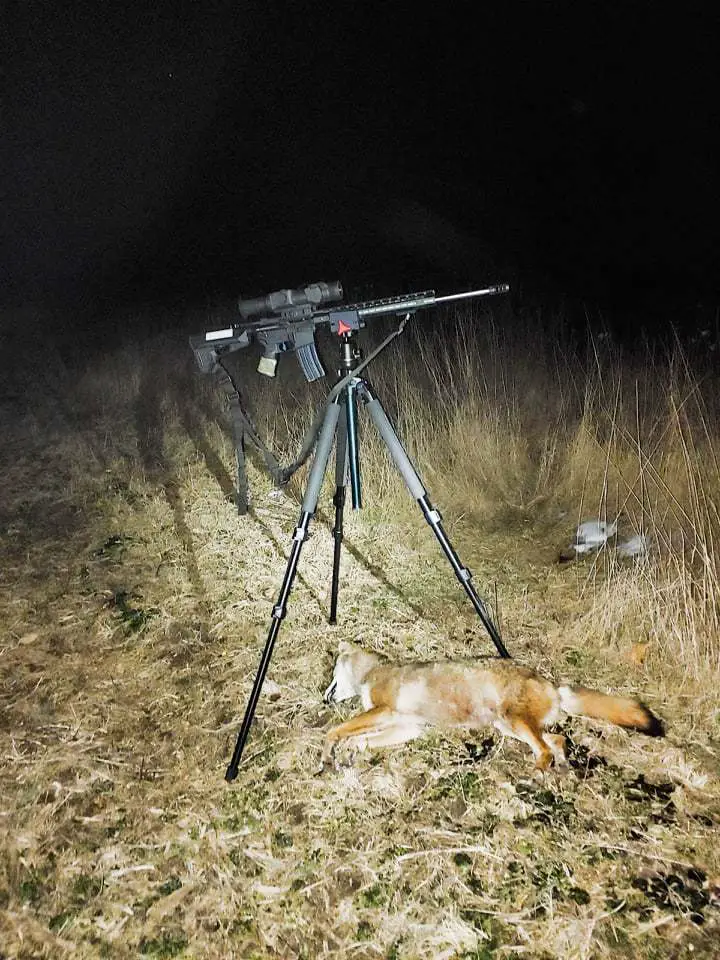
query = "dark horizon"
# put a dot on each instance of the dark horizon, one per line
(169, 158)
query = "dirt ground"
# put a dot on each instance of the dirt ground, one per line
(134, 605)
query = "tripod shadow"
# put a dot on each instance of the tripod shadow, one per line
(151, 448)
(196, 408)
(192, 411)
(372, 568)
(191, 421)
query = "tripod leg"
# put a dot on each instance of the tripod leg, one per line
(414, 484)
(309, 505)
(341, 451)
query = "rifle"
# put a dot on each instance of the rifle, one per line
(286, 322)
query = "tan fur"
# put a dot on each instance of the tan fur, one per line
(402, 700)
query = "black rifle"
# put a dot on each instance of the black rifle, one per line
(287, 320)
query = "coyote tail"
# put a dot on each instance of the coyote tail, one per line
(622, 711)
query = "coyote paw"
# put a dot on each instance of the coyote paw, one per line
(333, 764)
(338, 757)
(345, 757)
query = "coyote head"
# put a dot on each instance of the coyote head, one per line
(351, 667)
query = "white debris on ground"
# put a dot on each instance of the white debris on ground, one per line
(595, 535)
(637, 546)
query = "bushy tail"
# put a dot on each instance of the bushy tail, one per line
(622, 711)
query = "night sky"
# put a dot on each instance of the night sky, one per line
(187, 151)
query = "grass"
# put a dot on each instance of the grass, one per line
(135, 604)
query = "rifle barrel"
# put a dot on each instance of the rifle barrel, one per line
(485, 292)
(409, 303)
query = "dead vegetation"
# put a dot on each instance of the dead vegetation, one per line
(135, 603)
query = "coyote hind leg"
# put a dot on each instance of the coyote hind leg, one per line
(557, 743)
(523, 729)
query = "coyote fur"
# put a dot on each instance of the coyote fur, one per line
(402, 700)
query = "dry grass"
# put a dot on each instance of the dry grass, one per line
(135, 604)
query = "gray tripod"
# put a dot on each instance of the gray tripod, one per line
(348, 464)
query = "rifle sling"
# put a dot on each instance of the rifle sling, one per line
(243, 428)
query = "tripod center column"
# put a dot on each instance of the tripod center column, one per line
(350, 357)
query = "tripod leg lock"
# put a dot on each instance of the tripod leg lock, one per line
(299, 535)
(433, 516)
(464, 575)
(278, 611)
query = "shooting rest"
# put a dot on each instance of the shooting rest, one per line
(342, 430)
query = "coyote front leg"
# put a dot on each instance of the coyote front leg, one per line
(378, 727)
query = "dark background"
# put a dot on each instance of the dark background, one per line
(191, 152)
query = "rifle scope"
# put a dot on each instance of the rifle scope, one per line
(312, 295)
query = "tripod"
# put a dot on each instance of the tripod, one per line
(344, 429)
